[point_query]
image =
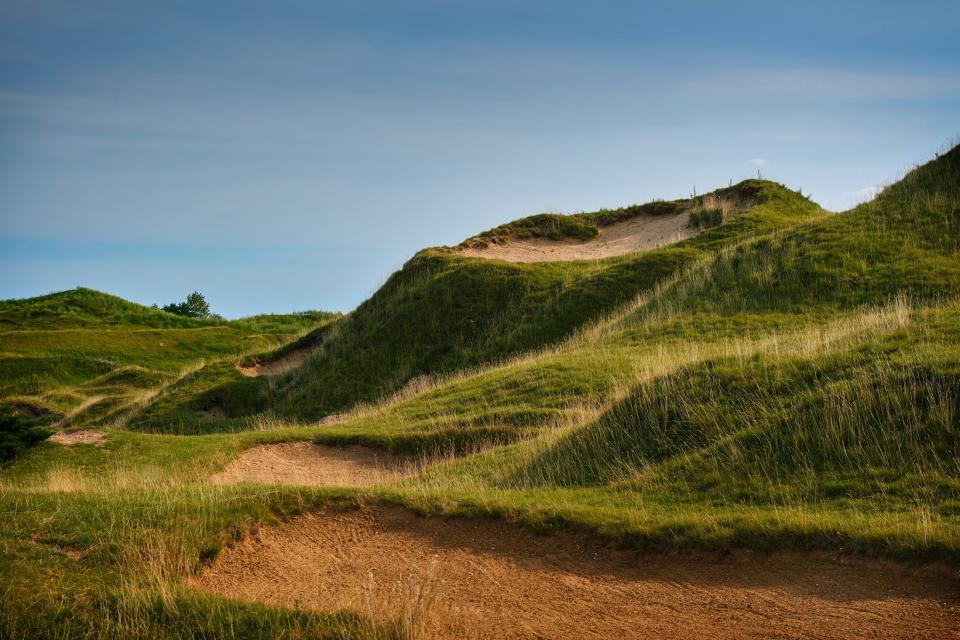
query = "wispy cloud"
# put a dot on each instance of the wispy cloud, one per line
(834, 84)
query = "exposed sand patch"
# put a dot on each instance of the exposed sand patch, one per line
(483, 579)
(305, 463)
(84, 436)
(637, 234)
(276, 367)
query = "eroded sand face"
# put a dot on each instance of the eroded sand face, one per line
(279, 366)
(308, 464)
(637, 234)
(484, 579)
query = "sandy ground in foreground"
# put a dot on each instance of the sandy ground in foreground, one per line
(460, 578)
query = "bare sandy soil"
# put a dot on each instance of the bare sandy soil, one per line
(308, 464)
(276, 367)
(637, 234)
(84, 436)
(461, 578)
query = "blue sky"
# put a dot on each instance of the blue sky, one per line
(281, 156)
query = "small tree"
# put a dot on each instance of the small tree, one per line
(195, 306)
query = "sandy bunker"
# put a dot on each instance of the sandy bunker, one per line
(484, 579)
(637, 234)
(305, 463)
(281, 365)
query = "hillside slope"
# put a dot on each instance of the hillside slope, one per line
(800, 388)
(906, 241)
(444, 311)
(82, 355)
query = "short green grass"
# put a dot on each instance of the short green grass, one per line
(787, 378)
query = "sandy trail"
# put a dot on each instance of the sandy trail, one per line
(308, 464)
(637, 234)
(492, 580)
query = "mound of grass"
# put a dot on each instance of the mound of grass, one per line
(552, 226)
(704, 218)
(86, 308)
(444, 312)
(775, 423)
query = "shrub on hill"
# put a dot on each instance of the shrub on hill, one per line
(17, 435)
(195, 306)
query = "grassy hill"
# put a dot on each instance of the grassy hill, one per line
(83, 355)
(86, 308)
(905, 241)
(443, 312)
(788, 378)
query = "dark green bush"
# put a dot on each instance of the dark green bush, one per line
(17, 435)
(195, 306)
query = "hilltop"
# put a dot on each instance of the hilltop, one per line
(81, 307)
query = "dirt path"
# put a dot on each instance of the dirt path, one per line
(305, 463)
(481, 579)
(637, 234)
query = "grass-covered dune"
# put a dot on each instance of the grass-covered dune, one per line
(81, 354)
(788, 378)
(443, 312)
(905, 241)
